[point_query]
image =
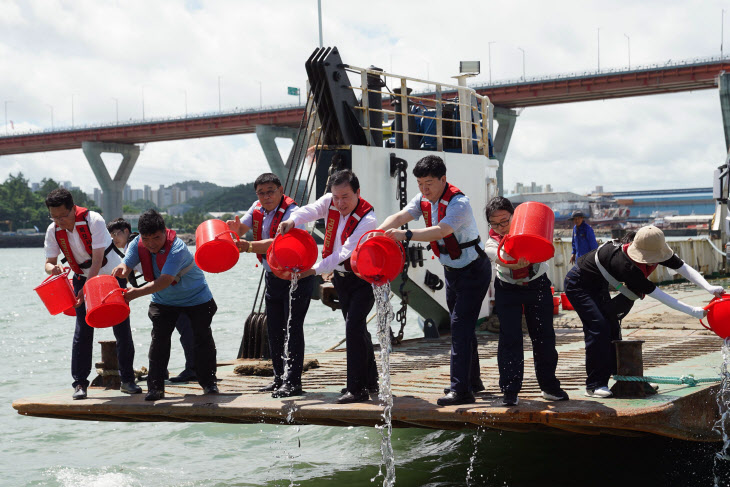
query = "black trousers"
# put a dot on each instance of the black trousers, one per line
(277, 321)
(83, 343)
(357, 300)
(537, 300)
(164, 318)
(465, 291)
(600, 328)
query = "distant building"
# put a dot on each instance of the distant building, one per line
(35, 187)
(664, 202)
(532, 188)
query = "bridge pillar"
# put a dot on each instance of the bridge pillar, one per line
(113, 189)
(724, 86)
(267, 135)
(506, 119)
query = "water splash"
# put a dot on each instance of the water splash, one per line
(385, 317)
(722, 458)
(285, 356)
(473, 457)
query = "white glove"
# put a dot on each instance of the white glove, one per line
(674, 303)
(698, 313)
(716, 290)
(692, 275)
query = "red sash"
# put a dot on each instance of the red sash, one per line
(145, 256)
(516, 273)
(258, 220)
(333, 221)
(647, 269)
(450, 242)
(82, 227)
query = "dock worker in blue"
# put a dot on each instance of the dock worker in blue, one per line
(177, 287)
(349, 216)
(584, 240)
(454, 236)
(264, 216)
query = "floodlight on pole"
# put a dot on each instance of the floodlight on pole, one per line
(319, 16)
(261, 98)
(6, 115)
(523, 63)
(51, 107)
(489, 58)
(219, 94)
(598, 47)
(72, 108)
(628, 41)
(116, 103)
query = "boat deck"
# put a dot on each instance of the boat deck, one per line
(420, 371)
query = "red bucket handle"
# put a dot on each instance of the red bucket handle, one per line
(103, 300)
(368, 233)
(227, 231)
(499, 251)
(65, 273)
(701, 323)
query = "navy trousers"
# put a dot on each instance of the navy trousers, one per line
(537, 300)
(465, 291)
(277, 321)
(600, 328)
(83, 343)
(187, 341)
(164, 318)
(357, 300)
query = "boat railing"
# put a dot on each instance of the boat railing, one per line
(475, 110)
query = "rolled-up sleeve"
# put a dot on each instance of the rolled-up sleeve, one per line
(414, 208)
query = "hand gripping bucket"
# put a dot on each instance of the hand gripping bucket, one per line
(57, 293)
(530, 235)
(295, 250)
(564, 301)
(105, 304)
(718, 316)
(278, 271)
(377, 259)
(215, 249)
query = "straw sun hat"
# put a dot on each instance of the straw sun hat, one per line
(649, 246)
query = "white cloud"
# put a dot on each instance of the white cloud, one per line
(101, 51)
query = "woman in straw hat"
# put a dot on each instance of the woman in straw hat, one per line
(626, 267)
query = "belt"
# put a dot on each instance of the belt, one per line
(466, 267)
(343, 273)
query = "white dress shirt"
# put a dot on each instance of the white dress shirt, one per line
(340, 252)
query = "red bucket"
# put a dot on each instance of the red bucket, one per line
(105, 304)
(275, 267)
(377, 259)
(718, 316)
(57, 293)
(215, 249)
(294, 250)
(564, 301)
(530, 234)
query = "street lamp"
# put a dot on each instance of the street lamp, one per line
(628, 41)
(523, 63)
(319, 14)
(51, 107)
(489, 59)
(116, 101)
(185, 92)
(261, 99)
(598, 37)
(6, 115)
(219, 94)
(72, 109)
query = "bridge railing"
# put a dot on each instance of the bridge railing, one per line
(474, 119)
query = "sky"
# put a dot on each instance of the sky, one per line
(98, 55)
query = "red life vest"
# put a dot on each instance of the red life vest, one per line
(82, 227)
(258, 220)
(145, 256)
(516, 273)
(333, 221)
(450, 242)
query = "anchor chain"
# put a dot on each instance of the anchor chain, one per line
(398, 168)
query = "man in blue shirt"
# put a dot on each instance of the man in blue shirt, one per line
(454, 236)
(584, 240)
(177, 286)
(264, 216)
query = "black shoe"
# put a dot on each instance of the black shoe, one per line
(287, 390)
(510, 399)
(211, 389)
(349, 397)
(130, 388)
(559, 395)
(454, 399)
(474, 389)
(154, 395)
(79, 392)
(271, 387)
(184, 376)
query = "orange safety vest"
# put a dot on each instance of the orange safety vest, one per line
(82, 227)
(258, 220)
(145, 256)
(452, 245)
(333, 221)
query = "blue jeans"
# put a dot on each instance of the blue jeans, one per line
(537, 300)
(465, 291)
(83, 343)
(277, 320)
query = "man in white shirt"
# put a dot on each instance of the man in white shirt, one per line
(88, 249)
(348, 217)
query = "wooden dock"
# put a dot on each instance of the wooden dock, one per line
(420, 371)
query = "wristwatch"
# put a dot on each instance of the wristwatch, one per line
(409, 234)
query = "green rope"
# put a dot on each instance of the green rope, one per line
(689, 379)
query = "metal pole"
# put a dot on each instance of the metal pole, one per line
(51, 107)
(523, 63)
(186, 103)
(722, 32)
(319, 15)
(261, 98)
(72, 109)
(6, 115)
(489, 59)
(143, 103)
(219, 94)
(598, 36)
(116, 101)
(628, 40)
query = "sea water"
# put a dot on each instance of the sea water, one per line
(36, 360)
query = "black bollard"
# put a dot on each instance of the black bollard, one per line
(108, 369)
(629, 362)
